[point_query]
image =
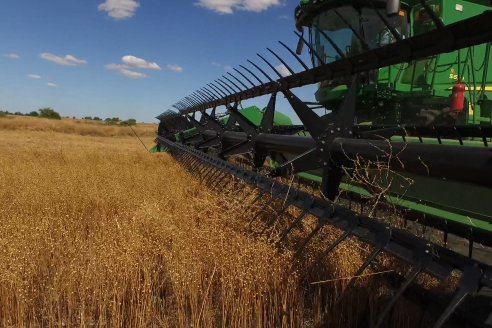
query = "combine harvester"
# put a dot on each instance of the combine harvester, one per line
(406, 88)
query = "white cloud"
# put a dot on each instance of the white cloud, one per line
(130, 63)
(51, 84)
(175, 68)
(132, 74)
(229, 6)
(12, 56)
(124, 70)
(115, 67)
(119, 9)
(282, 69)
(67, 60)
(133, 61)
(33, 76)
(225, 67)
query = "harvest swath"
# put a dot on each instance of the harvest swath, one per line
(406, 89)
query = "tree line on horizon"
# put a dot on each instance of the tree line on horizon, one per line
(50, 113)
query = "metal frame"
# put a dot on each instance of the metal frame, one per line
(420, 254)
(333, 144)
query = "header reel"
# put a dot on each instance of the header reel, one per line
(326, 148)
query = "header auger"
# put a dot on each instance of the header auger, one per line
(406, 87)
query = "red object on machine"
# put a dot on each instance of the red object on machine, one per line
(458, 97)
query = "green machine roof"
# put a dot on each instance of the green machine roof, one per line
(309, 8)
(254, 114)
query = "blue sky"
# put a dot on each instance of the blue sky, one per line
(129, 58)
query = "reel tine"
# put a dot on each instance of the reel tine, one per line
(198, 167)
(213, 182)
(295, 56)
(214, 92)
(187, 103)
(271, 66)
(201, 96)
(330, 248)
(229, 88)
(183, 105)
(207, 172)
(227, 181)
(322, 219)
(197, 98)
(190, 160)
(197, 101)
(262, 209)
(358, 273)
(195, 165)
(256, 77)
(244, 76)
(208, 93)
(206, 97)
(279, 213)
(332, 43)
(179, 105)
(191, 101)
(306, 241)
(354, 31)
(238, 80)
(469, 283)
(262, 71)
(234, 84)
(313, 51)
(294, 224)
(217, 89)
(282, 61)
(225, 87)
(382, 240)
(414, 272)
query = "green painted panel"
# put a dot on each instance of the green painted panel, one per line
(426, 207)
(255, 115)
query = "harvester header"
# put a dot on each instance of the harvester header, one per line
(402, 123)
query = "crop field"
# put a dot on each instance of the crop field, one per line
(96, 232)
(339, 176)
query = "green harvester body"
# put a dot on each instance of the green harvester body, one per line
(414, 93)
(418, 93)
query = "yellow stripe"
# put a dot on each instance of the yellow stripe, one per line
(487, 88)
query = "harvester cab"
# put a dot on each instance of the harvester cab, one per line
(445, 89)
